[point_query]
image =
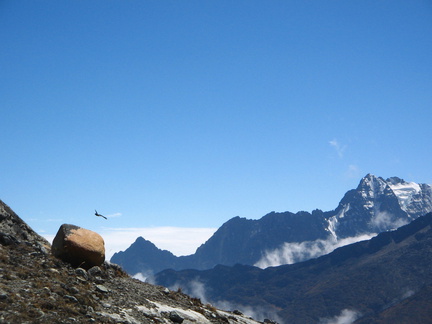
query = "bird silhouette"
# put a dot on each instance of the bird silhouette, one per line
(97, 214)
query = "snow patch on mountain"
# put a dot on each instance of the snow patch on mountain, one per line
(404, 192)
(334, 220)
(332, 224)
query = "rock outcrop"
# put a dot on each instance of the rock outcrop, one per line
(79, 246)
(13, 228)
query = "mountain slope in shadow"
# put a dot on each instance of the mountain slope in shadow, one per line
(375, 280)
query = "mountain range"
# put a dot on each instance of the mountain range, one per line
(375, 206)
(387, 279)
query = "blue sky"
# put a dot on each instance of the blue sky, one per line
(183, 114)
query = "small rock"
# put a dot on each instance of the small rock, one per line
(42, 249)
(98, 280)
(269, 321)
(81, 272)
(36, 313)
(73, 290)
(46, 291)
(237, 312)
(102, 288)
(175, 317)
(166, 291)
(71, 298)
(3, 294)
(95, 271)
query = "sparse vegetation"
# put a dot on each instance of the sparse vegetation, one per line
(36, 287)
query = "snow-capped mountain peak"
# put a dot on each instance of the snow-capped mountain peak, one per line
(379, 205)
(371, 186)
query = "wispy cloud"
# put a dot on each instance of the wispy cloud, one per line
(384, 221)
(340, 148)
(290, 253)
(114, 215)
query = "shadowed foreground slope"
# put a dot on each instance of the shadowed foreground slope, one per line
(36, 287)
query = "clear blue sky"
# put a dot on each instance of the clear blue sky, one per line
(188, 113)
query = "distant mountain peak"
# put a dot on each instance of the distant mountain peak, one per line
(371, 185)
(376, 205)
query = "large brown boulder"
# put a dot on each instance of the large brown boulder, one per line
(79, 246)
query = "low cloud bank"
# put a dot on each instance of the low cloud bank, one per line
(385, 221)
(290, 253)
(347, 316)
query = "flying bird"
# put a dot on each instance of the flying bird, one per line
(97, 214)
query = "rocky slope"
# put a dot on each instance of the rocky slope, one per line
(387, 279)
(36, 287)
(376, 205)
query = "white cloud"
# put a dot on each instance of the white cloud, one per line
(290, 253)
(347, 316)
(384, 221)
(340, 149)
(139, 276)
(114, 215)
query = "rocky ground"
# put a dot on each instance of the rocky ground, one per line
(36, 287)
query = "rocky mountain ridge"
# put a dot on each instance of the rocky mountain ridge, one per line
(36, 287)
(376, 205)
(387, 279)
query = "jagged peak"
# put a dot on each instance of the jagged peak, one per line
(371, 184)
(369, 178)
